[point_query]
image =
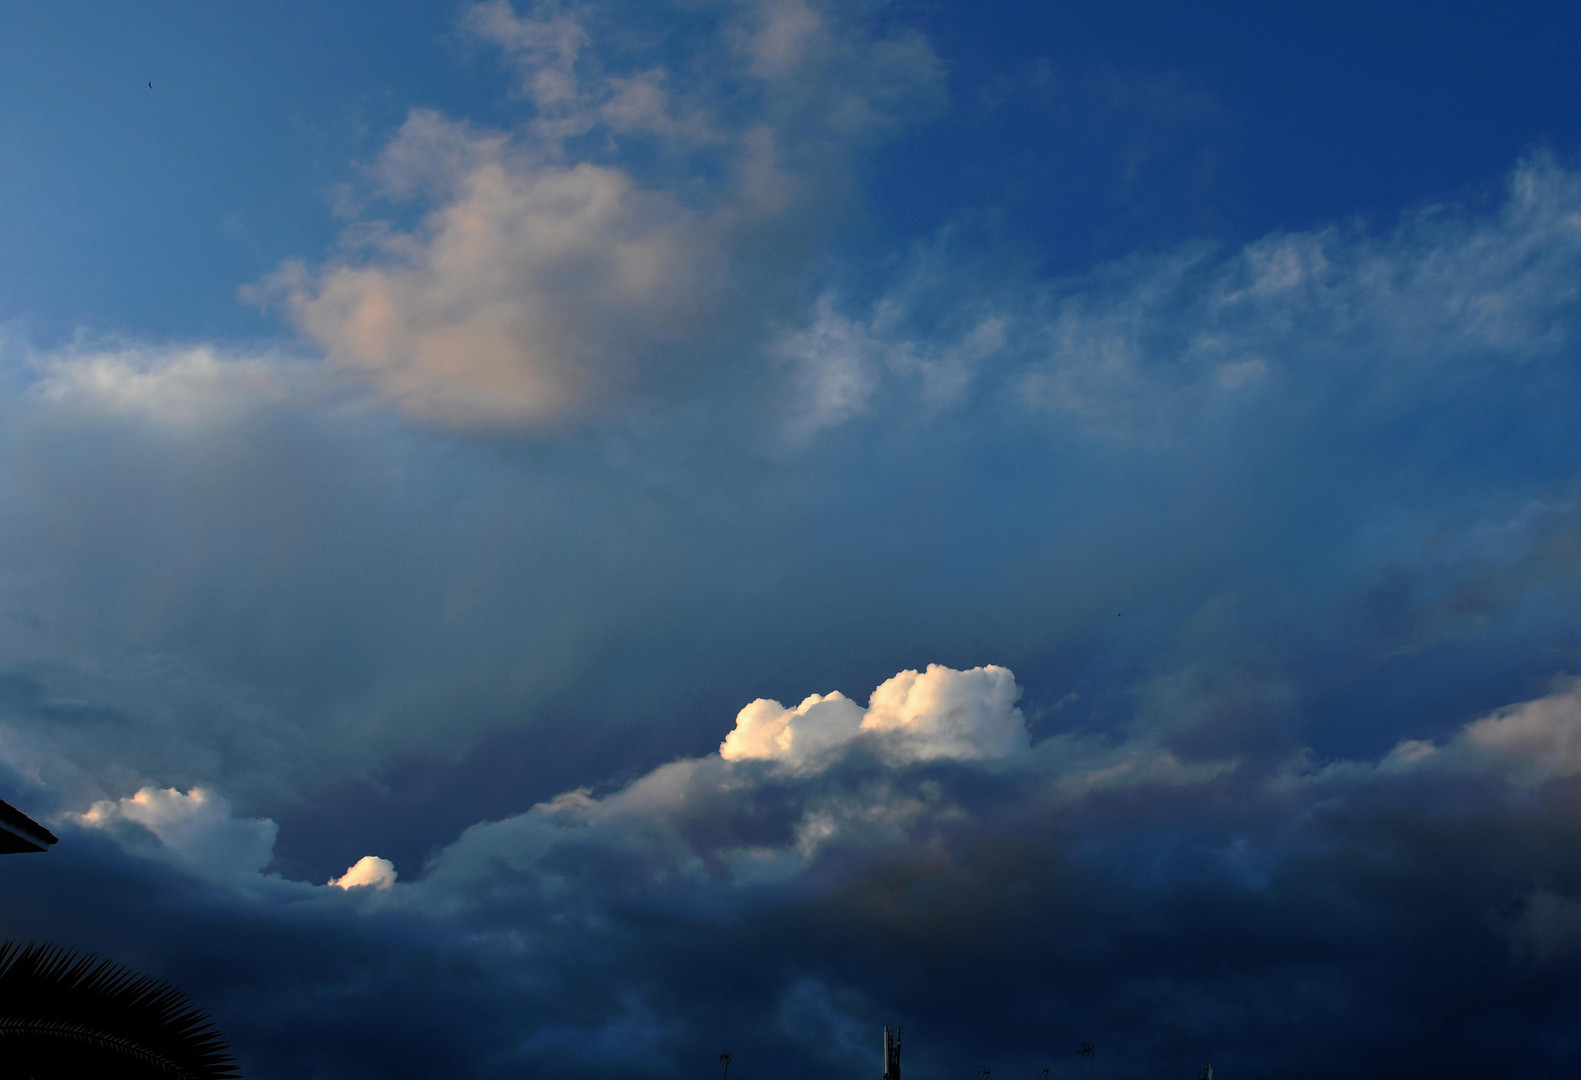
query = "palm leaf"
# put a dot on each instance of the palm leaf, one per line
(65, 1014)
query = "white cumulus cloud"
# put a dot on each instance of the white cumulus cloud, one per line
(940, 713)
(370, 871)
(803, 738)
(944, 713)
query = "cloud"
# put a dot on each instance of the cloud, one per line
(550, 277)
(170, 387)
(563, 73)
(195, 825)
(298, 592)
(939, 714)
(790, 784)
(179, 525)
(324, 606)
(785, 32)
(818, 728)
(1531, 742)
(833, 362)
(949, 715)
(546, 50)
(1324, 475)
(1541, 738)
(530, 294)
(370, 871)
(1163, 349)
(774, 901)
(715, 893)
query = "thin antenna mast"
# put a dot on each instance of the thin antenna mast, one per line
(891, 1054)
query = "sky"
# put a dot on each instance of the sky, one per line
(567, 537)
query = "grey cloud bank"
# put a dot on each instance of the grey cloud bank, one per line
(1074, 888)
(349, 589)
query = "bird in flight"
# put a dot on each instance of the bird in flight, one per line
(150, 86)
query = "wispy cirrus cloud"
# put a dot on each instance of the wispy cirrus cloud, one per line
(1164, 346)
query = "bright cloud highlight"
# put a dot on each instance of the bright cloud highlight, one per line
(195, 825)
(370, 871)
(938, 714)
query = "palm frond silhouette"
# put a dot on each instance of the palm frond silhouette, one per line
(65, 1014)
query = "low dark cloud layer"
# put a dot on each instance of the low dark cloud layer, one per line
(1397, 918)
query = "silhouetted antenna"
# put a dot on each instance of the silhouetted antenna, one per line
(1088, 1051)
(725, 1056)
(891, 1054)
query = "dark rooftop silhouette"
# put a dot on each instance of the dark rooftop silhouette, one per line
(20, 833)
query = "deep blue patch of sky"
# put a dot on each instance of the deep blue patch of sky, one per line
(1084, 132)
(1076, 133)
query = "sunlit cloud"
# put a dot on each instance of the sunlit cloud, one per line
(195, 825)
(370, 871)
(548, 277)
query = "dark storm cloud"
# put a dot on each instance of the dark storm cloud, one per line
(1397, 919)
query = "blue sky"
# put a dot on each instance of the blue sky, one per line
(739, 523)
